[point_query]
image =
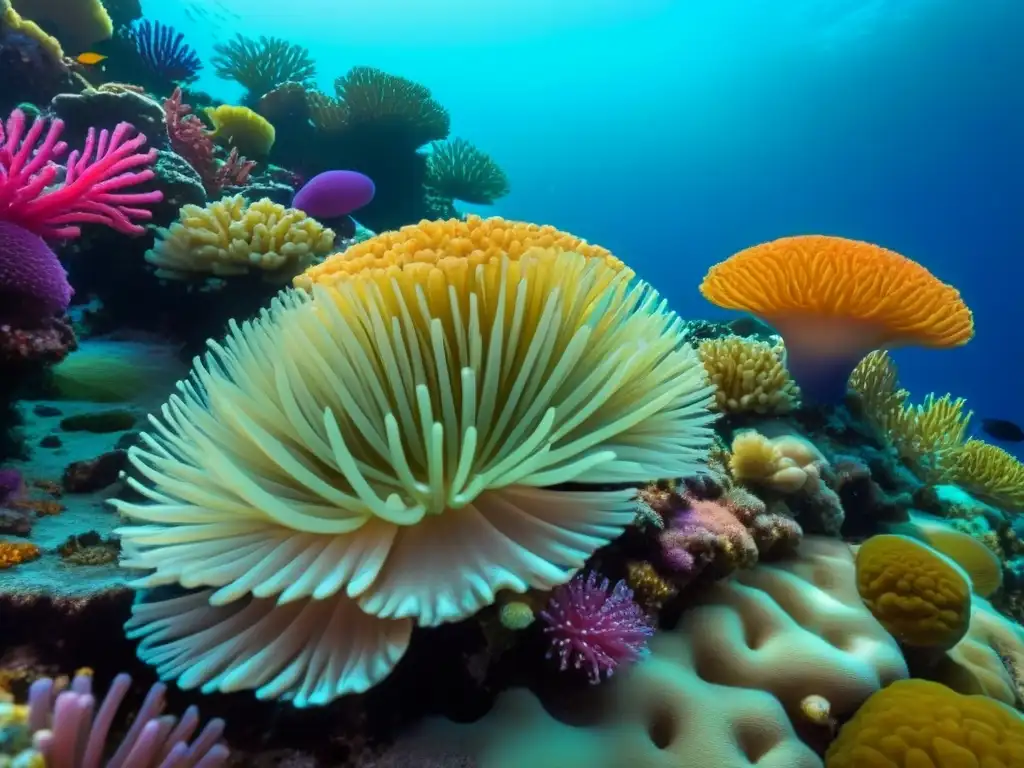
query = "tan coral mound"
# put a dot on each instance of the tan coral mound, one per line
(921, 724)
(990, 658)
(749, 376)
(720, 690)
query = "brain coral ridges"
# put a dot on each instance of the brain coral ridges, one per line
(393, 467)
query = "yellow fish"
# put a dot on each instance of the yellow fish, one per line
(89, 58)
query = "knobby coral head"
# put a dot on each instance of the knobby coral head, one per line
(95, 179)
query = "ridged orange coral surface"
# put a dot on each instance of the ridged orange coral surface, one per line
(818, 275)
(449, 245)
(921, 724)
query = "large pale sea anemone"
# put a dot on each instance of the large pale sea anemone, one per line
(379, 452)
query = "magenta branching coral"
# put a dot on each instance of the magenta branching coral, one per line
(95, 179)
(70, 732)
(594, 629)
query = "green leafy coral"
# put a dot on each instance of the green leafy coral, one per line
(458, 170)
(262, 65)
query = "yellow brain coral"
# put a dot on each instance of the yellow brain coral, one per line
(834, 300)
(921, 724)
(922, 598)
(749, 376)
(378, 453)
(233, 237)
(242, 128)
(454, 246)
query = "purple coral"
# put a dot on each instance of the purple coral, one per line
(33, 284)
(331, 194)
(593, 628)
(164, 52)
(10, 484)
(71, 734)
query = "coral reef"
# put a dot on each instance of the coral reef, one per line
(467, 491)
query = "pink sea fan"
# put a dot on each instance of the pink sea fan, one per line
(593, 628)
(92, 190)
(71, 734)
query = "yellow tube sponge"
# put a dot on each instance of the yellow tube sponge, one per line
(78, 23)
(749, 376)
(921, 724)
(233, 237)
(921, 597)
(991, 473)
(239, 127)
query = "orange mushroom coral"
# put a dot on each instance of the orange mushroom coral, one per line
(834, 300)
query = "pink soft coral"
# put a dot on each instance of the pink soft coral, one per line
(723, 534)
(92, 190)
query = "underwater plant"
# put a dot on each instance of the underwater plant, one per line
(262, 65)
(164, 52)
(458, 170)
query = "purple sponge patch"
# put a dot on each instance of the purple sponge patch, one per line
(33, 284)
(334, 193)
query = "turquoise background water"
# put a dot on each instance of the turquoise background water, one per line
(678, 132)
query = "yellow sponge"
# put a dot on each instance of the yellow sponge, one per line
(921, 597)
(921, 724)
(749, 376)
(239, 127)
(9, 19)
(233, 237)
(79, 24)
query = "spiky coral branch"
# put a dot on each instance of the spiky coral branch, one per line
(92, 190)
